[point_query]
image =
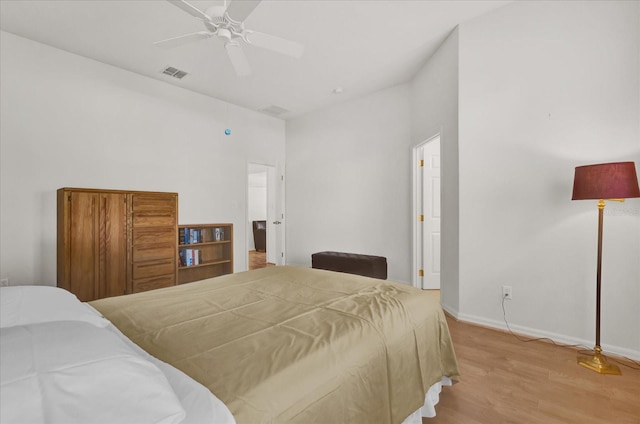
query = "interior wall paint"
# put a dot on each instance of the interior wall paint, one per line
(68, 121)
(258, 196)
(349, 181)
(434, 110)
(545, 87)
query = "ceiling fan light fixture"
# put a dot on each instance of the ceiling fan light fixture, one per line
(225, 34)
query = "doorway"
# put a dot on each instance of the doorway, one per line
(427, 207)
(263, 227)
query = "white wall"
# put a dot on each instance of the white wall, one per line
(545, 87)
(257, 208)
(434, 110)
(70, 121)
(349, 181)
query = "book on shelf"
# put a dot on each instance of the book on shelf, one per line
(190, 236)
(190, 257)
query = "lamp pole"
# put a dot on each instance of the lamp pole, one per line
(597, 362)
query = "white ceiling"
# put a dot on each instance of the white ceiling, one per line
(361, 46)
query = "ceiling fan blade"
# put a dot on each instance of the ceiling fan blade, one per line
(239, 10)
(238, 58)
(191, 10)
(277, 44)
(183, 39)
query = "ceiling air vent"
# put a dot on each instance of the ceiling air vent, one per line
(174, 72)
(273, 110)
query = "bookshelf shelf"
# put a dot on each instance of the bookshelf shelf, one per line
(204, 251)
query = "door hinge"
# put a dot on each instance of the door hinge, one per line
(420, 218)
(421, 163)
(421, 273)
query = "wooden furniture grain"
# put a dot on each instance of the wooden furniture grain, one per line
(215, 247)
(114, 242)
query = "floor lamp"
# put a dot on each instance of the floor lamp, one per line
(611, 181)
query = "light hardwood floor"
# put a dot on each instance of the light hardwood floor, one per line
(504, 380)
(258, 260)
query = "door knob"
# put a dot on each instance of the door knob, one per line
(277, 222)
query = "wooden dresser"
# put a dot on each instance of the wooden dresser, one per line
(113, 242)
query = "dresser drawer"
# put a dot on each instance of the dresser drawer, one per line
(155, 268)
(154, 203)
(144, 235)
(154, 219)
(150, 252)
(153, 283)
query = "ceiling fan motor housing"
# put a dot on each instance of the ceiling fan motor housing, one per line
(224, 33)
(216, 13)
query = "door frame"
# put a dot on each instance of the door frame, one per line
(416, 280)
(275, 212)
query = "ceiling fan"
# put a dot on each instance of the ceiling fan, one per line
(227, 23)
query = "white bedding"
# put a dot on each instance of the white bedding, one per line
(73, 372)
(62, 362)
(21, 305)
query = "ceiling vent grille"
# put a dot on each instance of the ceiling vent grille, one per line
(174, 72)
(273, 110)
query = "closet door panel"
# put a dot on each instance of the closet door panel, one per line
(113, 244)
(83, 245)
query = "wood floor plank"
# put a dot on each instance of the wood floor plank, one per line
(258, 260)
(504, 380)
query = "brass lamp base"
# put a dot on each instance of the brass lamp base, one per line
(598, 363)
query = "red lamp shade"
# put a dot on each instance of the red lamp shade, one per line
(616, 180)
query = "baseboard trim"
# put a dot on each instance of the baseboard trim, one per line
(535, 333)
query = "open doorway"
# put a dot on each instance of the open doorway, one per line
(427, 236)
(261, 216)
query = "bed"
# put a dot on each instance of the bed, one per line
(276, 345)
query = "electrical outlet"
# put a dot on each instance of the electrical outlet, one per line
(4, 282)
(506, 293)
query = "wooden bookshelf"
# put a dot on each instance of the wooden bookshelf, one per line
(204, 251)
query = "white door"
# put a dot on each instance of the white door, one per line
(429, 203)
(272, 208)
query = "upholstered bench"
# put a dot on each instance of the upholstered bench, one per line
(351, 263)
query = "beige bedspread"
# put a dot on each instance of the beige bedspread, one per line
(296, 345)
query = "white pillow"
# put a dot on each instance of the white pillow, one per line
(73, 372)
(20, 305)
